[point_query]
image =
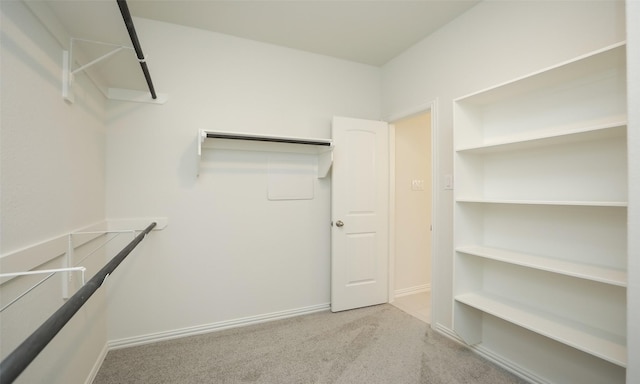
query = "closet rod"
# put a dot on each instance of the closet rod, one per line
(212, 135)
(16, 362)
(128, 21)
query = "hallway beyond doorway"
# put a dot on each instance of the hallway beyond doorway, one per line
(417, 305)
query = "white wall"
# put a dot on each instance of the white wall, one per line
(491, 43)
(228, 252)
(633, 133)
(52, 182)
(202, 269)
(412, 207)
(52, 152)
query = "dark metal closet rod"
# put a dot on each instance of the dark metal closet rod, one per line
(16, 362)
(126, 15)
(270, 139)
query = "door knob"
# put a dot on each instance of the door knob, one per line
(339, 223)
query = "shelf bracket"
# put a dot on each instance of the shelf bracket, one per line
(69, 72)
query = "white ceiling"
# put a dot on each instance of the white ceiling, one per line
(370, 32)
(365, 31)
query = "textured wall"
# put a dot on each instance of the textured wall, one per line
(228, 252)
(52, 182)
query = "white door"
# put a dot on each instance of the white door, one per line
(360, 213)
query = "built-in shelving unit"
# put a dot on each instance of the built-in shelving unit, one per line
(269, 143)
(540, 219)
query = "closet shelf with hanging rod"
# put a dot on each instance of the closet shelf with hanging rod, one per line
(111, 93)
(241, 141)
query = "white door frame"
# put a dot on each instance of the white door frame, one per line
(432, 107)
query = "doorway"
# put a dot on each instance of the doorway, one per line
(411, 191)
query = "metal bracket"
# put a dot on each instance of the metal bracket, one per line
(65, 288)
(68, 72)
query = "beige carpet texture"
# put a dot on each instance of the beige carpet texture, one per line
(379, 344)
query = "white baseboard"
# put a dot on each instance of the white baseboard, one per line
(218, 326)
(447, 332)
(96, 366)
(499, 360)
(241, 322)
(412, 290)
(509, 365)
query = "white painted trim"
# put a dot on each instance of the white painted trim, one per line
(486, 353)
(415, 110)
(435, 203)
(251, 320)
(412, 290)
(509, 365)
(392, 214)
(97, 365)
(217, 326)
(447, 332)
(633, 211)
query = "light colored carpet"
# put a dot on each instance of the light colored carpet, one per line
(379, 344)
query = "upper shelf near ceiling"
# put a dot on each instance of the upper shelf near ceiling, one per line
(95, 38)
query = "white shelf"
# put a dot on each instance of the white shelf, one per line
(574, 96)
(609, 130)
(585, 234)
(540, 217)
(596, 342)
(583, 271)
(575, 69)
(546, 202)
(240, 141)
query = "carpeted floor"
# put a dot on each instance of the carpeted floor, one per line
(374, 345)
